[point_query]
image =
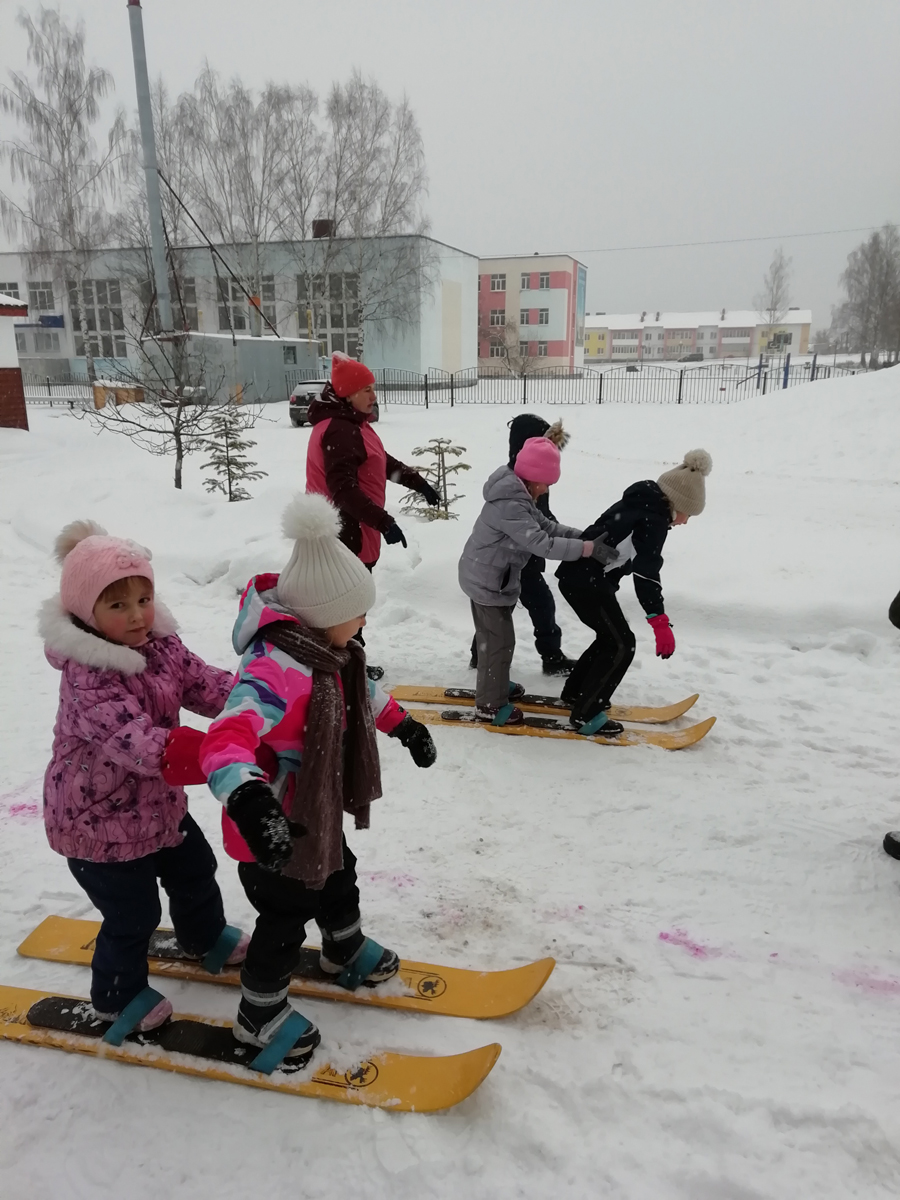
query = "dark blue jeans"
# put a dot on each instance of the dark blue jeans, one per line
(127, 895)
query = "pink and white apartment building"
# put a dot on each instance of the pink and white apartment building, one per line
(661, 336)
(531, 310)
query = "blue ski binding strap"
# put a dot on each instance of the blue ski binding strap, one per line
(273, 1054)
(503, 714)
(132, 1015)
(593, 725)
(361, 967)
(214, 960)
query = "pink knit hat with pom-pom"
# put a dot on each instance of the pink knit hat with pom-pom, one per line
(538, 461)
(91, 561)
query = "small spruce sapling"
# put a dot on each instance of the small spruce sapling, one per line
(439, 474)
(228, 455)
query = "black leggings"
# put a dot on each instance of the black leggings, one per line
(600, 670)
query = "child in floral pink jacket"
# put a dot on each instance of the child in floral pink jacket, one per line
(112, 801)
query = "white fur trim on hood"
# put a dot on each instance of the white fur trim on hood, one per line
(65, 640)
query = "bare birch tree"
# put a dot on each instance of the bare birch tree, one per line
(772, 302)
(63, 218)
(870, 313)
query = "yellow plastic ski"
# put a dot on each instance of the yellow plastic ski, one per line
(641, 714)
(398, 1082)
(449, 991)
(676, 739)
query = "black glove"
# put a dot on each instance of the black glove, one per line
(415, 737)
(602, 552)
(262, 824)
(395, 535)
(429, 493)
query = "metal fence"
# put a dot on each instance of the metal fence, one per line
(694, 383)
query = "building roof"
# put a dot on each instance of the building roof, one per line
(20, 306)
(735, 318)
(520, 258)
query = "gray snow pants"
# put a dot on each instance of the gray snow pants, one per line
(495, 635)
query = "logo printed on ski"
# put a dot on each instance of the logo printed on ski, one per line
(430, 987)
(362, 1075)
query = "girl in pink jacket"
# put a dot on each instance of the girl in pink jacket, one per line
(301, 692)
(112, 801)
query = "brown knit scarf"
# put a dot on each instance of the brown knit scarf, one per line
(337, 773)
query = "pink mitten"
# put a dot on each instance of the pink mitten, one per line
(665, 638)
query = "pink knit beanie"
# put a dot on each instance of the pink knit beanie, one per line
(91, 561)
(538, 461)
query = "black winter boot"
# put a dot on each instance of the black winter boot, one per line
(262, 1013)
(354, 959)
(558, 664)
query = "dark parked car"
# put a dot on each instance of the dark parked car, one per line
(304, 394)
(691, 358)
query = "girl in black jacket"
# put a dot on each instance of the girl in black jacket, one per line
(637, 525)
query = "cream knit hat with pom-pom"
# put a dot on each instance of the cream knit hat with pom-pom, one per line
(323, 582)
(685, 486)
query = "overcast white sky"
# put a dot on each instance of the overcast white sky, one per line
(576, 125)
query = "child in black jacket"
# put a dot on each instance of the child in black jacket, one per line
(637, 525)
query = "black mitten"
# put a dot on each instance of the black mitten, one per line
(395, 535)
(415, 737)
(429, 494)
(262, 823)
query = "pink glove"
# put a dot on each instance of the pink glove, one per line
(181, 757)
(665, 638)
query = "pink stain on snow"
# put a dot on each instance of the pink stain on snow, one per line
(679, 937)
(395, 880)
(878, 985)
(23, 810)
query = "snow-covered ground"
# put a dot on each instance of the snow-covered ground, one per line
(723, 1022)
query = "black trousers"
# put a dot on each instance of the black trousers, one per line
(127, 894)
(600, 670)
(284, 906)
(537, 598)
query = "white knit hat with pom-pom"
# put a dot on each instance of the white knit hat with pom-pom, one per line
(323, 582)
(91, 561)
(685, 486)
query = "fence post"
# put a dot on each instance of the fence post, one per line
(600, 393)
(759, 373)
(49, 388)
(814, 368)
(452, 384)
(680, 383)
(787, 370)
(524, 387)
(765, 380)
(426, 389)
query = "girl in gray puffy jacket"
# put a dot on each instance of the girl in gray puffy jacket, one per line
(509, 529)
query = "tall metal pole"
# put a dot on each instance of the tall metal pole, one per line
(148, 141)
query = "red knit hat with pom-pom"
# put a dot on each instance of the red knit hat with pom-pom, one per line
(348, 375)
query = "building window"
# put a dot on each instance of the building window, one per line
(496, 350)
(699, 337)
(739, 334)
(526, 283)
(626, 336)
(498, 283)
(290, 356)
(544, 281)
(189, 302)
(101, 300)
(40, 296)
(524, 314)
(523, 349)
(232, 306)
(498, 316)
(543, 316)
(46, 341)
(21, 344)
(10, 289)
(542, 349)
(267, 299)
(335, 316)
(479, 283)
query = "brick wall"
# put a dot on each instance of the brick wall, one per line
(13, 414)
